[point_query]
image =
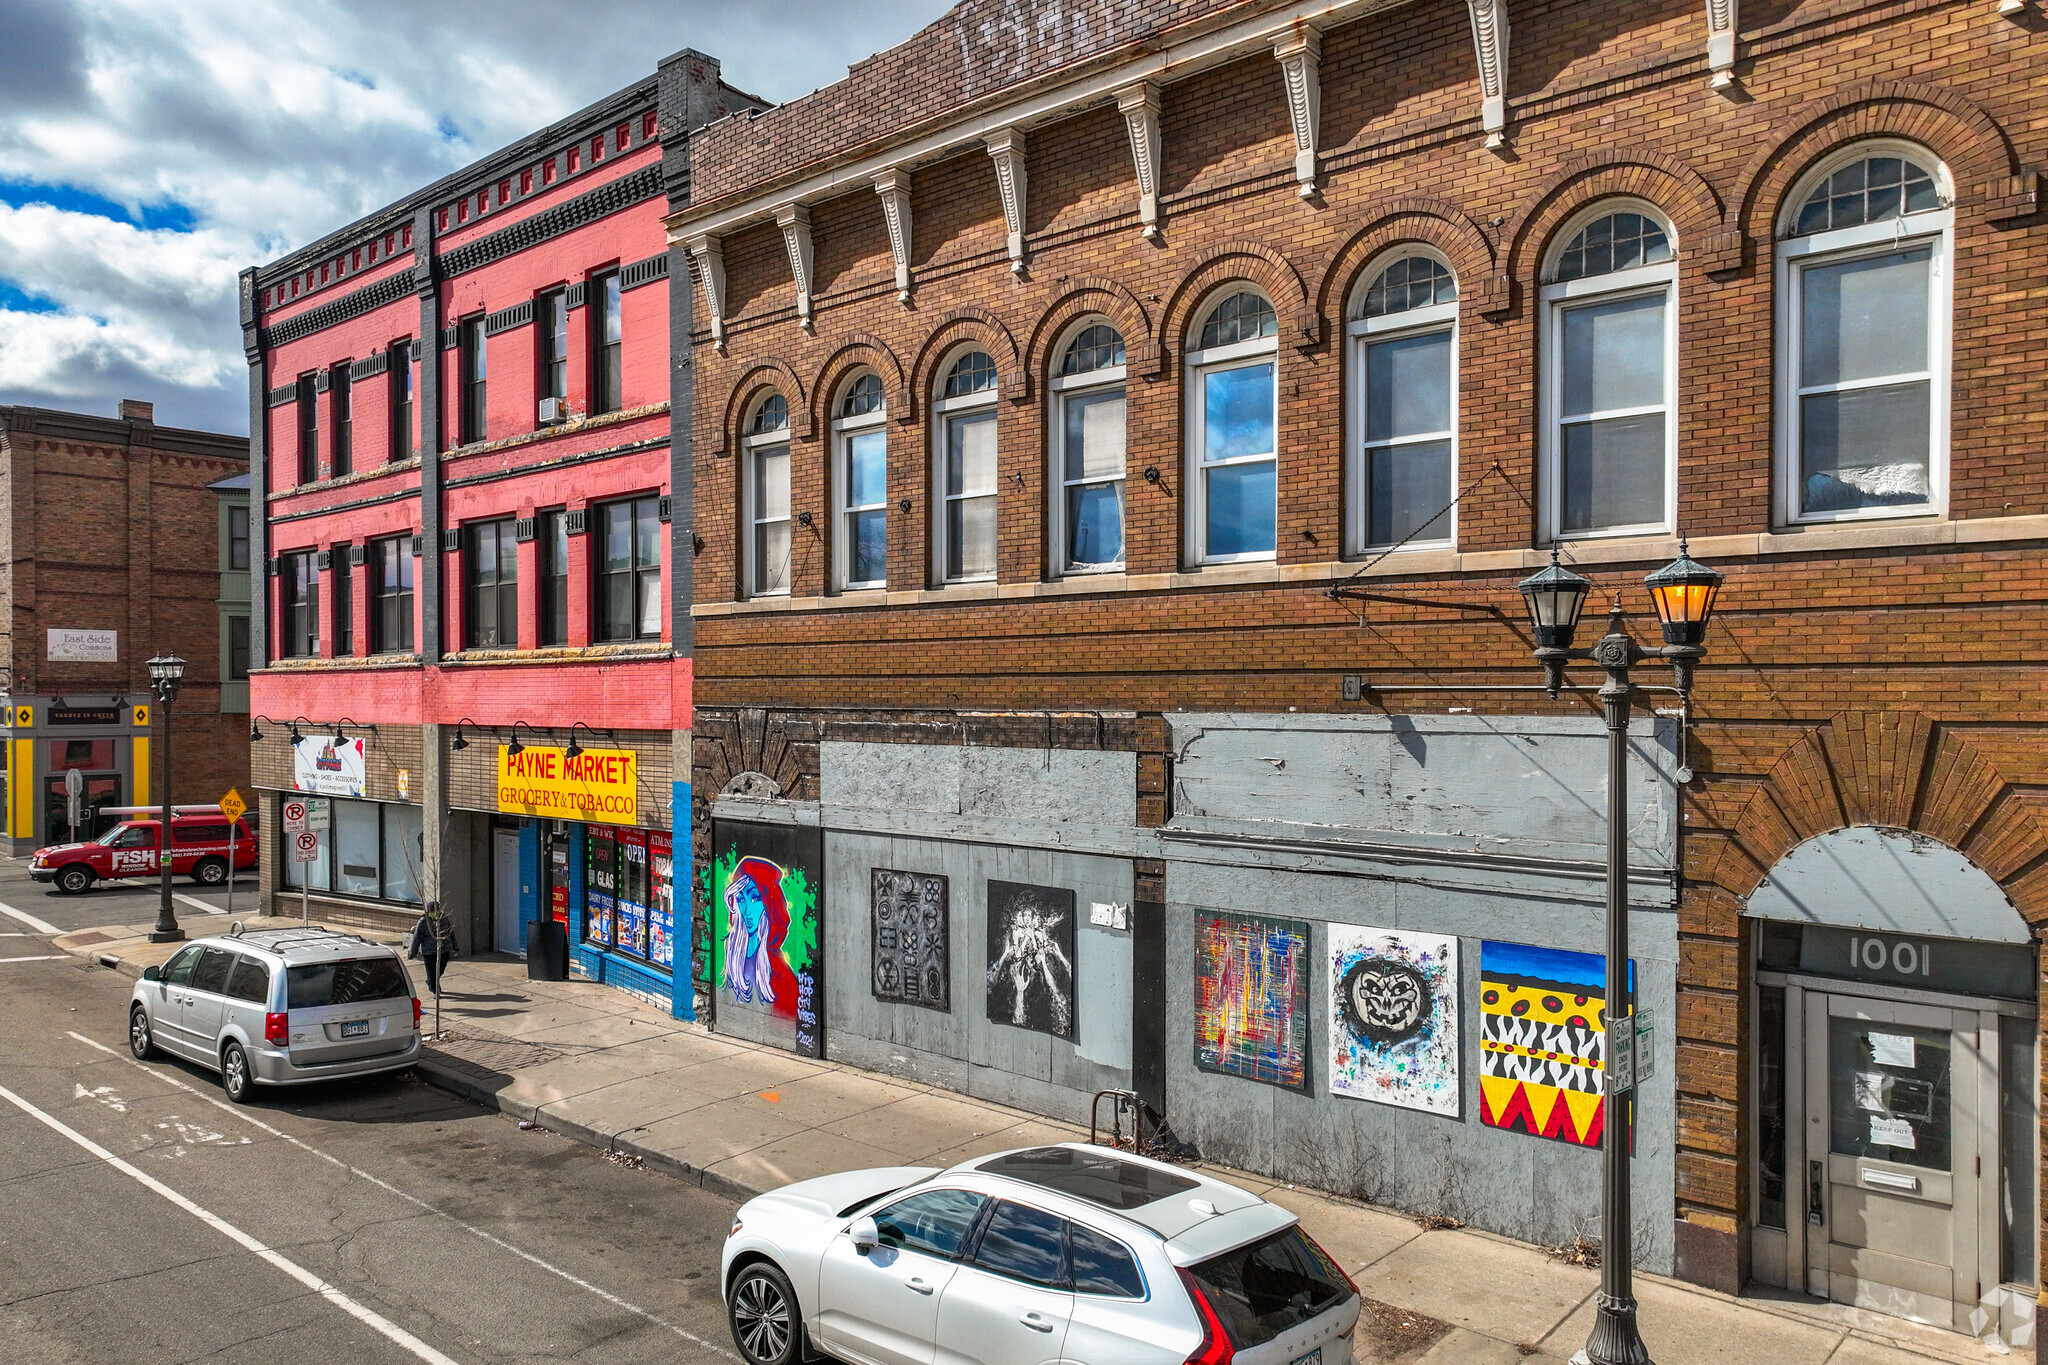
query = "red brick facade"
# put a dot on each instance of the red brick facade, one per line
(1879, 672)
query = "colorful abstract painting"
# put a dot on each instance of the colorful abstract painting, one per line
(767, 931)
(1394, 1018)
(1251, 998)
(1542, 1016)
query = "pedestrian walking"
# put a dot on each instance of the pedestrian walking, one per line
(433, 942)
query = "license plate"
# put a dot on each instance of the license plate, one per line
(360, 1028)
(1314, 1357)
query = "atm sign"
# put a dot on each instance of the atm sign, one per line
(596, 785)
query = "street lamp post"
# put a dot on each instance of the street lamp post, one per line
(165, 673)
(1684, 592)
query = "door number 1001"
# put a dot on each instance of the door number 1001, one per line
(1907, 959)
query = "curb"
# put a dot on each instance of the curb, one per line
(465, 1087)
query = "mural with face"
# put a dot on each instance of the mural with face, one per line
(756, 921)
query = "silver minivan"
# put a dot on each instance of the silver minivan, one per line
(279, 1007)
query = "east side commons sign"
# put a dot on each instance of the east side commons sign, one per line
(597, 785)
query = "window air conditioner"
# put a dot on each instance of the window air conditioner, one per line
(553, 410)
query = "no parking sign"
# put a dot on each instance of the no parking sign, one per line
(305, 847)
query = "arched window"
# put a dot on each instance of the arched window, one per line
(1088, 451)
(860, 485)
(766, 475)
(1403, 357)
(1610, 441)
(1233, 442)
(966, 470)
(1864, 312)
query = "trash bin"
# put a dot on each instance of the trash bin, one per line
(547, 951)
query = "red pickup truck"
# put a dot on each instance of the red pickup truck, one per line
(199, 849)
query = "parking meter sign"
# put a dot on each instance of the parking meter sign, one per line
(319, 811)
(305, 847)
(294, 817)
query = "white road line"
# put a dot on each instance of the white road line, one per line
(40, 926)
(56, 958)
(370, 1318)
(496, 1241)
(197, 903)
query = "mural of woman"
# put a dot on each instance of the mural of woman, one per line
(756, 920)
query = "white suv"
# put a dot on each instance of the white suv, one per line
(1070, 1253)
(279, 1007)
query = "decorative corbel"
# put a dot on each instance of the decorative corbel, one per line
(1140, 107)
(1007, 147)
(1721, 42)
(795, 222)
(1300, 54)
(894, 187)
(1490, 41)
(709, 255)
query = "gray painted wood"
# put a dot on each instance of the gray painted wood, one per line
(1866, 877)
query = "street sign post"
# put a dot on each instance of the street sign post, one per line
(74, 791)
(232, 805)
(305, 849)
(294, 816)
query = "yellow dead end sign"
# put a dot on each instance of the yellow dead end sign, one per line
(232, 805)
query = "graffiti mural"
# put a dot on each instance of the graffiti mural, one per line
(1394, 1018)
(1251, 998)
(1031, 957)
(1542, 1069)
(911, 931)
(768, 961)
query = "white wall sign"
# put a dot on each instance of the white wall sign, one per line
(320, 765)
(85, 646)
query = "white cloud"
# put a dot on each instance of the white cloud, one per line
(271, 122)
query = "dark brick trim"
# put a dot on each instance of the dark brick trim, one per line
(576, 292)
(375, 363)
(281, 395)
(548, 224)
(644, 272)
(368, 299)
(505, 319)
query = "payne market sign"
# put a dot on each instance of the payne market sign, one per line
(598, 785)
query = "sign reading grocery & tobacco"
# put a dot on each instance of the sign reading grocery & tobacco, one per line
(599, 785)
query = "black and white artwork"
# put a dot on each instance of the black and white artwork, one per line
(911, 933)
(1031, 957)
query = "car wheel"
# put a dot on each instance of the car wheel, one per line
(766, 1325)
(210, 872)
(139, 1040)
(75, 879)
(234, 1073)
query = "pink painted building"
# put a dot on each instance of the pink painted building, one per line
(470, 492)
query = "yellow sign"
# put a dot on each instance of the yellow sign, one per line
(232, 805)
(24, 715)
(601, 785)
(142, 717)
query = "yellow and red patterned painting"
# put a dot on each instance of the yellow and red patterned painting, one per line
(1542, 1016)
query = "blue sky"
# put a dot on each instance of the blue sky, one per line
(149, 151)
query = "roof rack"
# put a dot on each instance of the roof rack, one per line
(314, 934)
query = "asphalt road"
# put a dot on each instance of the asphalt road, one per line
(144, 1219)
(128, 901)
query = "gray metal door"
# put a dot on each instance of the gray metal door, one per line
(1900, 1101)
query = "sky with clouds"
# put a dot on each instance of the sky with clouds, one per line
(149, 151)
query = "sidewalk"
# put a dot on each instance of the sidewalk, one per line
(599, 1066)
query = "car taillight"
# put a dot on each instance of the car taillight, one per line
(1216, 1348)
(415, 1014)
(277, 1029)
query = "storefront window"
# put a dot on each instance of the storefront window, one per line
(2016, 1129)
(1770, 1079)
(661, 920)
(601, 879)
(370, 849)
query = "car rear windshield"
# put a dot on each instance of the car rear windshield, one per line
(1097, 1177)
(1272, 1285)
(344, 983)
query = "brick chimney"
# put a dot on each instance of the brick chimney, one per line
(135, 410)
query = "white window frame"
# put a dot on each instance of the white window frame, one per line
(753, 447)
(1087, 384)
(1556, 299)
(944, 410)
(1362, 332)
(1933, 227)
(1201, 364)
(844, 429)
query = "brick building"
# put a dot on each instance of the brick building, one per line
(463, 459)
(1084, 394)
(112, 533)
